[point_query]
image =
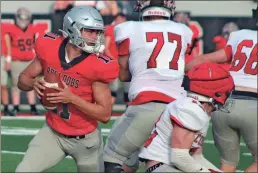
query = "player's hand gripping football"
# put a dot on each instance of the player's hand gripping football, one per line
(63, 96)
(39, 87)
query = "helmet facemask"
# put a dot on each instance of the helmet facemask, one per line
(88, 45)
(227, 106)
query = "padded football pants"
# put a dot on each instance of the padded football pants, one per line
(130, 131)
(228, 127)
(48, 148)
(4, 75)
(16, 68)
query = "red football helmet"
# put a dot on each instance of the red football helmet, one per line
(209, 82)
(164, 8)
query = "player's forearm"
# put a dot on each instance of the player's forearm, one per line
(25, 83)
(196, 60)
(8, 45)
(93, 110)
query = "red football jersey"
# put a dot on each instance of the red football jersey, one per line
(112, 46)
(22, 42)
(79, 74)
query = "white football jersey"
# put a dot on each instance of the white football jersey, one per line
(187, 112)
(244, 57)
(157, 51)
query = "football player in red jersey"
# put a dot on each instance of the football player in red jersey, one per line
(20, 42)
(71, 129)
(5, 66)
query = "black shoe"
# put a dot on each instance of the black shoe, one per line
(9, 113)
(34, 112)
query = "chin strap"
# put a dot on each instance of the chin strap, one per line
(199, 97)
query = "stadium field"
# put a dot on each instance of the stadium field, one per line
(17, 132)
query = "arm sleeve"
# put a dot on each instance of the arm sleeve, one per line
(204, 162)
(188, 115)
(122, 38)
(185, 162)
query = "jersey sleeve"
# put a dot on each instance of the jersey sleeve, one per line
(109, 31)
(188, 114)
(231, 45)
(106, 69)
(40, 47)
(123, 33)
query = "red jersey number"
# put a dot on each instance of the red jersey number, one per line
(172, 38)
(25, 44)
(240, 58)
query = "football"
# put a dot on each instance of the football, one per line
(51, 80)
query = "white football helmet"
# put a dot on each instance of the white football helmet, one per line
(164, 8)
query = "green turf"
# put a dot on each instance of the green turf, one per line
(9, 162)
(20, 143)
(22, 123)
(38, 123)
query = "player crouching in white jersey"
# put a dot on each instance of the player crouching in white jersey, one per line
(241, 51)
(176, 141)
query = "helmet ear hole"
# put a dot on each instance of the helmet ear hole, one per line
(218, 95)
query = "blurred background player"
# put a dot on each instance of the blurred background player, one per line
(111, 49)
(71, 128)
(5, 67)
(220, 41)
(241, 50)
(145, 46)
(20, 42)
(175, 144)
(185, 18)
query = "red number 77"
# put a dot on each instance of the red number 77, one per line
(150, 36)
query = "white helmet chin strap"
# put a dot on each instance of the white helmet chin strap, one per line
(199, 97)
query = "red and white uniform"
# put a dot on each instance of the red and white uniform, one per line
(78, 74)
(187, 113)
(22, 42)
(241, 51)
(157, 50)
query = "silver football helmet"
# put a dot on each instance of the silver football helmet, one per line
(84, 17)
